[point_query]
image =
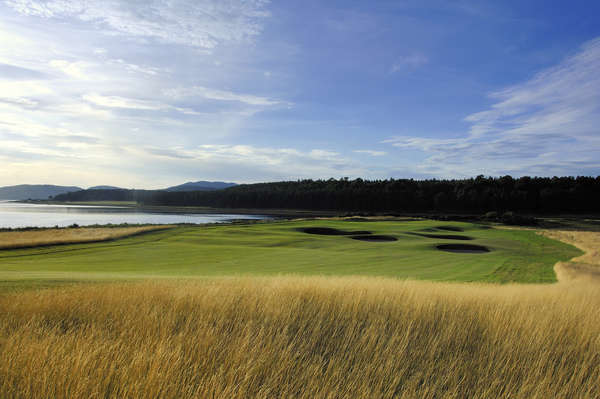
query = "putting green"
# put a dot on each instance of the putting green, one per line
(282, 248)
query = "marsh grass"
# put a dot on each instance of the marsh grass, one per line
(301, 337)
(42, 237)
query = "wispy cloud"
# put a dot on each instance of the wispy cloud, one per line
(253, 163)
(408, 62)
(175, 89)
(72, 69)
(121, 102)
(100, 70)
(200, 23)
(10, 72)
(122, 118)
(372, 153)
(220, 95)
(549, 124)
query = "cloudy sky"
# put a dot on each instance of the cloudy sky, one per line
(149, 93)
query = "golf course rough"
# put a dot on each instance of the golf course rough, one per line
(280, 248)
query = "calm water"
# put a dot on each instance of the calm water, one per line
(28, 215)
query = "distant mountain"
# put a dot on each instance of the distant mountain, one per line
(105, 188)
(34, 191)
(201, 186)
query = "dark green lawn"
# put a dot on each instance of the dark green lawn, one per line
(278, 248)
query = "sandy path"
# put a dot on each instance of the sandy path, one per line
(582, 268)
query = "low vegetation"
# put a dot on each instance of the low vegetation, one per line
(301, 337)
(42, 237)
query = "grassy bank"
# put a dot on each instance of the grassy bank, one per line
(301, 337)
(282, 248)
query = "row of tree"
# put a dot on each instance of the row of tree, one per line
(475, 195)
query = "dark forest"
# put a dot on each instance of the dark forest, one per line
(538, 195)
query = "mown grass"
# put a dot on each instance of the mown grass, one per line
(301, 337)
(279, 248)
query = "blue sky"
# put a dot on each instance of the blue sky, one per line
(153, 93)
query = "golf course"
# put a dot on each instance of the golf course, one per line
(405, 249)
(410, 308)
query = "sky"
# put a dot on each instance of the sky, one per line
(153, 93)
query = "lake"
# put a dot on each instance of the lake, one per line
(14, 215)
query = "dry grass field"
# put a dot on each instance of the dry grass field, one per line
(301, 337)
(42, 237)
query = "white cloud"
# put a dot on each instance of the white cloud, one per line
(55, 71)
(199, 23)
(73, 69)
(21, 88)
(137, 68)
(19, 101)
(134, 104)
(549, 124)
(371, 152)
(120, 102)
(220, 95)
(84, 90)
(76, 69)
(324, 154)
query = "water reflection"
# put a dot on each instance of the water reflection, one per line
(15, 215)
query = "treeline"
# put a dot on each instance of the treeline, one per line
(480, 195)
(476, 195)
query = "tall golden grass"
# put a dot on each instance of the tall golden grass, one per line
(33, 238)
(301, 337)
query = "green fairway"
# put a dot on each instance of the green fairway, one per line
(279, 248)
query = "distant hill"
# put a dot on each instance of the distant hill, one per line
(105, 188)
(201, 186)
(107, 193)
(34, 191)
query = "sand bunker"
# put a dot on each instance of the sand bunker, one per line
(463, 248)
(374, 238)
(443, 236)
(450, 228)
(356, 219)
(329, 231)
